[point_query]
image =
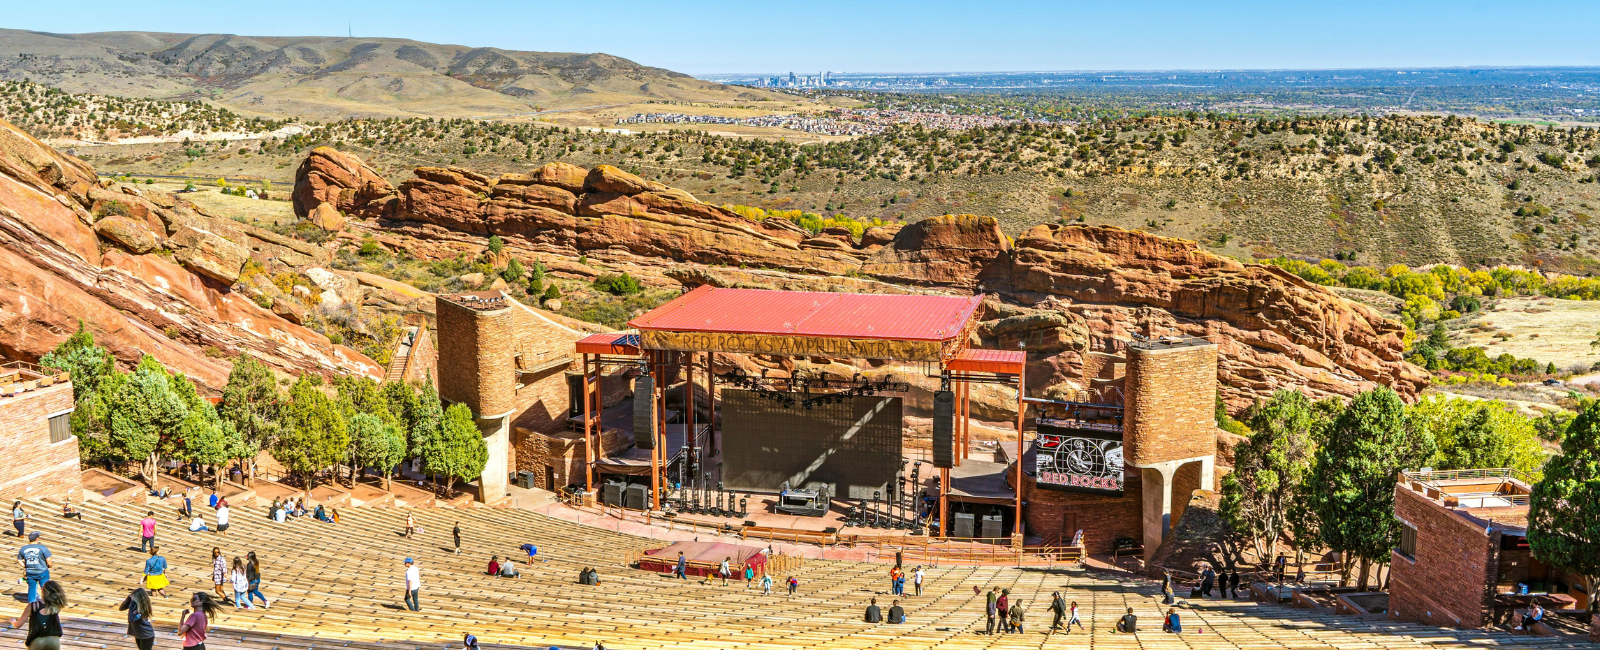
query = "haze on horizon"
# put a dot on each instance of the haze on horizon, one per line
(723, 37)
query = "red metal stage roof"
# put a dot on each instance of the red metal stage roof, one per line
(1000, 362)
(814, 313)
(609, 343)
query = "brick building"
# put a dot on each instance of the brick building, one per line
(510, 365)
(35, 407)
(1167, 390)
(1464, 558)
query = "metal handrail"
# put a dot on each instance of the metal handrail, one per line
(1432, 478)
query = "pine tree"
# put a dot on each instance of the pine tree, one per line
(376, 442)
(458, 451)
(1355, 471)
(252, 404)
(86, 362)
(314, 434)
(1269, 469)
(1564, 509)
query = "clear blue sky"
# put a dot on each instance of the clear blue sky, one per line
(894, 36)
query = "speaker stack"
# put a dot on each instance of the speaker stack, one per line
(944, 415)
(644, 412)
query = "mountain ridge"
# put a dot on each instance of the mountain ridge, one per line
(338, 77)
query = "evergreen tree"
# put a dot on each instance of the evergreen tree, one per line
(252, 404)
(425, 426)
(1564, 510)
(1269, 468)
(376, 442)
(86, 362)
(207, 439)
(513, 272)
(1355, 471)
(314, 434)
(458, 451)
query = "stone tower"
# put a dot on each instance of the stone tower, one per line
(477, 368)
(1169, 427)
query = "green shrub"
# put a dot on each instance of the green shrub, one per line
(617, 285)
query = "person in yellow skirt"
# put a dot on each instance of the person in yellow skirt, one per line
(155, 573)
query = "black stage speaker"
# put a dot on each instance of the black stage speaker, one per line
(575, 396)
(991, 526)
(944, 415)
(964, 521)
(611, 494)
(644, 412)
(633, 498)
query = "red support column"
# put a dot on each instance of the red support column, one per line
(1022, 392)
(688, 403)
(589, 450)
(711, 401)
(659, 414)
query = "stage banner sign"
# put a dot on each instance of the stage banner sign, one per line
(793, 346)
(1079, 460)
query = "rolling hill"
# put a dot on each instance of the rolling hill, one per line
(325, 78)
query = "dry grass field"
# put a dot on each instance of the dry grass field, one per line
(1550, 330)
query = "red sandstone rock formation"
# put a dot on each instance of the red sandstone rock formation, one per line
(1062, 289)
(53, 274)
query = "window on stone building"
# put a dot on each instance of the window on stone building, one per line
(61, 427)
(1408, 540)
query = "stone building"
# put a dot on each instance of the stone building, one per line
(1167, 390)
(511, 364)
(35, 409)
(1463, 559)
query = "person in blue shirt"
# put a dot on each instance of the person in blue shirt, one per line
(680, 571)
(155, 573)
(35, 561)
(531, 550)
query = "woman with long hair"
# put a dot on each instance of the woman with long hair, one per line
(143, 631)
(252, 571)
(219, 572)
(44, 617)
(195, 624)
(241, 584)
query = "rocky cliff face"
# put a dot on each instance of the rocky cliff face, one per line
(1059, 291)
(146, 272)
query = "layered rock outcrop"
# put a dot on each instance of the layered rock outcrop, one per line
(146, 272)
(1059, 291)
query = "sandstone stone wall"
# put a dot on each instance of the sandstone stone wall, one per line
(1075, 283)
(35, 467)
(1446, 583)
(1170, 398)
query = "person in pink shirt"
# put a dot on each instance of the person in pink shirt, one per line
(147, 531)
(196, 624)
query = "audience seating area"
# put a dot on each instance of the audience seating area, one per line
(340, 586)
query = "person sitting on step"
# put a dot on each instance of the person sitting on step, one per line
(494, 566)
(508, 569)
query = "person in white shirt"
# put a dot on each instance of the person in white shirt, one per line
(222, 519)
(916, 579)
(197, 524)
(413, 583)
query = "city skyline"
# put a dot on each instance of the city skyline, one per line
(720, 37)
